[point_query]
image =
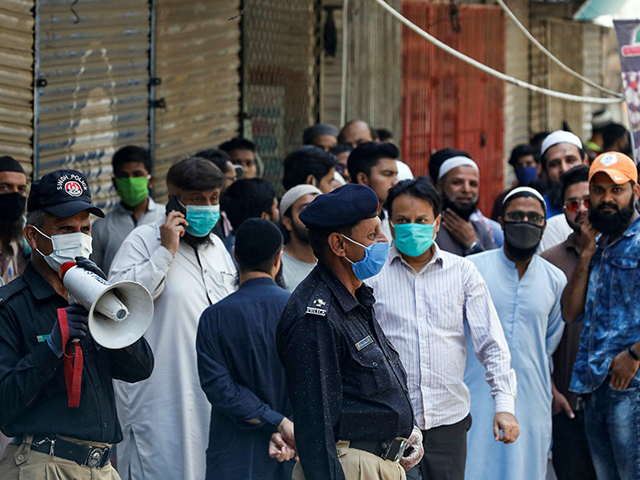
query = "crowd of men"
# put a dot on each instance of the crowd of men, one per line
(365, 324)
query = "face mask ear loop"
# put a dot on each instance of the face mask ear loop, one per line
(45, 236)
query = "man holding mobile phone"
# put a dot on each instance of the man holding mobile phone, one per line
(186, 268)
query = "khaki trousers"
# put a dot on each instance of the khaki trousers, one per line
(360, 465)
(20, 463)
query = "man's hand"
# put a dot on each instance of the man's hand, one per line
(279, 449)
(172, 231)
(560, 403)
(459, 229)
(285, 429)
(508, 424)
(78, 321)
(590, 234)
(623, 368)
(417, 450)
(88, 265)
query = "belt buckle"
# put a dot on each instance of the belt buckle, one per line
(94, 458)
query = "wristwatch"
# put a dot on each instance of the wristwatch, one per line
(634, 354)
(473, 248)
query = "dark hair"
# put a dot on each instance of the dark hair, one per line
(319, 239)
(247, 198)
(537, 138)
(420, 188)
(237, 144)
(384, 134)
(341, 148)
(218, 157)
(521, 151)
(367, 155)
(264, 267)
(304, 161)
(612, 133)
(577, 174)
(506, 203)
(438, 158)
(195, 174)
(341, 135)
(131, 154)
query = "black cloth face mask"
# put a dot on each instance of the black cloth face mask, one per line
(12, 206)
(522, 239)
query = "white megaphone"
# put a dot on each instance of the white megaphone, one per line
(119, 314)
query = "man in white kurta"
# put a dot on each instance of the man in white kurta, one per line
(165, 420)
(527, 299)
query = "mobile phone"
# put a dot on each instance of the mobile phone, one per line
(173, 205)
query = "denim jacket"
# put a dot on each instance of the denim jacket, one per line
(612, 309)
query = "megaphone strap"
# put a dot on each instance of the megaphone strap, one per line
(72, 362)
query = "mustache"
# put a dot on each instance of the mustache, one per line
(613, 206)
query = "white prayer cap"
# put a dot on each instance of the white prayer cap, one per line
(338, 178)
(294, 193)
(528, 192)
(404, 171)
(559, 136)
(455, 162)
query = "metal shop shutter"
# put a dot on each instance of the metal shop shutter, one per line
(16, 80)
(197, 65)
(447, 103)
(279, 76)
(92, 71)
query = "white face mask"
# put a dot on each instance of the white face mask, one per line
(66, 248)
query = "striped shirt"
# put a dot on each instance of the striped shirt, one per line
(425, 315)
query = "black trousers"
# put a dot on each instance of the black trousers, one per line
(571, 457)
(445, 452)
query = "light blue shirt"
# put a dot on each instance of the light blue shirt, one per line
(530, 314)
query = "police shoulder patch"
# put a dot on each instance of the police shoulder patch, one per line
(316, 311)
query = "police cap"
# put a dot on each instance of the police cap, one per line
(344, 206)
(63, 193)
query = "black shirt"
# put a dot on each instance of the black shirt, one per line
(33, 393)
(344, 378)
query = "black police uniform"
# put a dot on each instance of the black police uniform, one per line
(344, 378)
(33, 392)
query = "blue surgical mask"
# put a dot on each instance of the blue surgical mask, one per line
(201, 219)
(526, 175)
(413, 239)
(375, 256)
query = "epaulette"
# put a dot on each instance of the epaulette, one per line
(319, 301)
(10, 289)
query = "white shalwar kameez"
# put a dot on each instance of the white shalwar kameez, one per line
(165, 419)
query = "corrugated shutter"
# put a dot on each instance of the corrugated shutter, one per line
(279, 76)
(374, 71)
(516, 98)
(447, 103)
(92, 63)
(16, 80)
(196, 59)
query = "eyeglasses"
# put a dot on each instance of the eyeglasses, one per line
(518, 216)
(574, 205)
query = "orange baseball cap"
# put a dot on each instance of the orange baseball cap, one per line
(620, 168)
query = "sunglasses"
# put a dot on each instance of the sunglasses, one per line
(574, 205)
(518, 216)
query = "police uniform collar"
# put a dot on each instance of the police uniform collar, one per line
(38, 285)
(343, 296)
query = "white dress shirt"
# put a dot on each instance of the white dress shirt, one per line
(557, 231)
(165, 419)
(425, 315)
(109, 232)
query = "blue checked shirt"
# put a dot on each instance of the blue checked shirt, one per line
(612, 309)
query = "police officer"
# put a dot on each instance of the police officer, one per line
(53, 438)
(348, 388)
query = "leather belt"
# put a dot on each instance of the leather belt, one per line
(84, 455)
(386, 449)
